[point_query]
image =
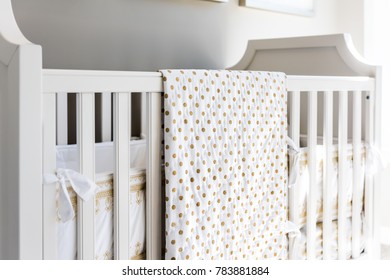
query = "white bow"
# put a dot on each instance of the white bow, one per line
(295, 154)
(84, 188)
(294, 234)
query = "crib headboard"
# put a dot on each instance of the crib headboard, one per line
(323, 55)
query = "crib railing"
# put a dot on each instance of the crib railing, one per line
(56, 85)
(320, 121)
(329, 88)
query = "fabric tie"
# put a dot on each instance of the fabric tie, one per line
(83, 187)
(295, 154)
(294, 234)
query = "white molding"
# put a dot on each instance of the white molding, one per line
(279, 7)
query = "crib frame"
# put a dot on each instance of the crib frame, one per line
(30, 117)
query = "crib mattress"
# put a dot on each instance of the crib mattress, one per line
(300, 242)
(303, 184)
(67, 235)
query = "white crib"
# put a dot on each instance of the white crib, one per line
(332, 94)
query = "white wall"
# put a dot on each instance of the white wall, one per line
(154, 34)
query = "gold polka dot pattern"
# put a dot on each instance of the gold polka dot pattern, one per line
(225, 164)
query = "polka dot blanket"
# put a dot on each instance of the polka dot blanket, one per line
(225, 164)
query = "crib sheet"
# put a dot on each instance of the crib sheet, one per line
(303, 184)
(300, 242)
(66, 232)
(225, 164)
(68, 156)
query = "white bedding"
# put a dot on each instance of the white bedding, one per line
(300, 243)
(67, 157)
(303, 185)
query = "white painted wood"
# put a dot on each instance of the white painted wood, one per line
(324, 83)
(24, 144)
(143, 115)
(379, 183)
(101, 81)
(323, 55)
(122, 123)
(154, 218)
(369, 179)
(328, 173)
(62, 118)
(86, 144)
(342, 167)
(307, 9)
(312, 164)
(49, 167)
(21, 141)
(106, 116)
(357, 192)
(294, 192)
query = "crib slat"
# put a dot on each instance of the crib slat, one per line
(312, 163)
(342, 168)
(369, 180)
(143, 114)
(106, 116)
(62, 118)
(357, 190)
(328, 172)
(153, 181)
(293, 192)
(49, 166)
(122, 122)
(86, 143)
